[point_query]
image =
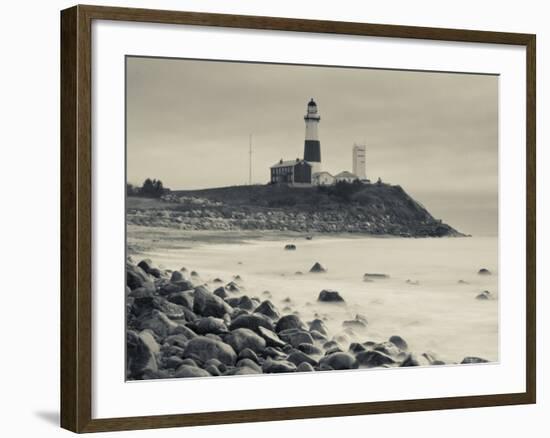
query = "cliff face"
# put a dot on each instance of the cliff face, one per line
(359, 208)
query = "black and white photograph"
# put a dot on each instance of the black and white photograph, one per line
(286, 218)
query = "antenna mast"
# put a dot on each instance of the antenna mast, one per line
(250, 159)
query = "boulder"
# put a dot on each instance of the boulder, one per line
(289, 322)
(252, 321)
(139, 356)
(355, 348)
(388, 348)
(355, 324)
(210, 324)
(248, 363)
(318, 325)
(317, 268)
(304, 367)
(268, 309)
(177, 286)
(242, 338)
(340, 361)
(318, 336)
(159, 323)
(176, 276)
(173, 362)
(296, 337)
(473, 359)
(248, 353)
(183, 298)
(232, 287)
(412, 360)
(242, 371)
(373, 276)
(484, 271)
(204, 348)
(485, 295)
(243, 302)
(273, 353)
(373, 358)
(278, 366)
(205, 303)
(271, 338)
(399, 342)
(213, 370)
(330, 296)
(297, 357)
(312, 350)
(191, 371)
(137, 277)
(290, 247)
(221, 292)
(216, 363)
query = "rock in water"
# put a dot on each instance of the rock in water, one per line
(473, 359)
(372, 276)
(319, 326)
(159, 323)
(220, 292)
(289, 322)
(176, 276)
(399, 342)
(373, 358)
(340, 361)
(205, 303)
(243, 302)
(290, 247)
(242, 338)
(204, 348)
(139, 356)
(485, 295)
(330, 296)
(191, 371)
(317, 268)
(268, 309)
(484, 271)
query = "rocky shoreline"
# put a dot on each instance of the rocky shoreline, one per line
(178, 326)
(278, 220)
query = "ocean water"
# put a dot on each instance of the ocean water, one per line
(436, 315)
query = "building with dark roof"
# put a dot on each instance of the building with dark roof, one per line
(291, 172)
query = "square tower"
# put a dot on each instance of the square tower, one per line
(360, 161)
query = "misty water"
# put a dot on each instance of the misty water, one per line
(435, 314)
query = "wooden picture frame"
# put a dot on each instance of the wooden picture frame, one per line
(76, 217)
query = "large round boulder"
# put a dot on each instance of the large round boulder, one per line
(340, 361)
(289, 322)
(296, 337)
(204, 348)
(318, 325)
(205, 303)
(242, 338)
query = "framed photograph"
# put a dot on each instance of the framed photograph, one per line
(312, 218)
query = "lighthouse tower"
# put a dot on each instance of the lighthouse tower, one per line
(312, 147)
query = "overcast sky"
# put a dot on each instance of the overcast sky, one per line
(435, 134)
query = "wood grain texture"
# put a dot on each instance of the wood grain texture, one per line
(76, 219)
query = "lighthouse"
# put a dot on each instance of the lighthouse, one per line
(312, 146)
